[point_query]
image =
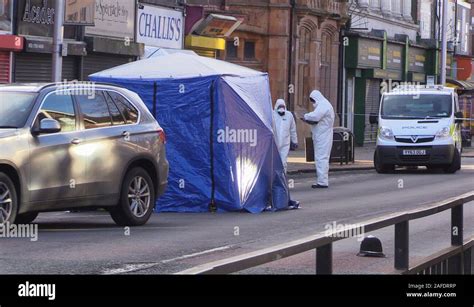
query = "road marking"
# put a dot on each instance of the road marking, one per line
(128, 268)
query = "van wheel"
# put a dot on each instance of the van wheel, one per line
(8, 200)
(455, 165)
(26, 218)
(137, 199)
(382, 168)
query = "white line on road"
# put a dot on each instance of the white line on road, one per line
(128, 268)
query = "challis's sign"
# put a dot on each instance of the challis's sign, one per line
(160, 27)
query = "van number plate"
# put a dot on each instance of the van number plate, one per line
(414, 152)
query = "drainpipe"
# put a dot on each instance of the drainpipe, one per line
(341, 76)
(291, 97)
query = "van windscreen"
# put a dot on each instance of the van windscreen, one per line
(416, 106)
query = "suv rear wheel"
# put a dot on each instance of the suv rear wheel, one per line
(8, 200)
(137, 199)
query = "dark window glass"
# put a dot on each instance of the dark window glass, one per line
(128, 111)
(15, 109)
(117, 117)
(231, 50)
(416, 106)
(249, 50)
(95, 111)
(59, 106)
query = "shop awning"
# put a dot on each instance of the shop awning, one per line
(464, 86)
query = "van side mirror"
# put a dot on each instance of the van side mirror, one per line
(48, 126)
(374, 119)
(459, 117)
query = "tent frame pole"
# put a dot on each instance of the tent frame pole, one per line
(212, 205)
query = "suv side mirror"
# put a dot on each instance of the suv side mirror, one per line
(374, 118)
(48, 126)
(459, 117)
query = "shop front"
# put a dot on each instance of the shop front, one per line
(373, 65)
(8, 45)
(111, 42)
(34, 64)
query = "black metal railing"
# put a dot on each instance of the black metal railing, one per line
(455, 260)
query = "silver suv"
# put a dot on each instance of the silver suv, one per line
(71, 146)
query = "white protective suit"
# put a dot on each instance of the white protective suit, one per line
(285, 131)
(322, 135)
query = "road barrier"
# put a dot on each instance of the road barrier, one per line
(457, 259)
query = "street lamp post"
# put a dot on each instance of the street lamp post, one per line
(444, 41)
(58, 39)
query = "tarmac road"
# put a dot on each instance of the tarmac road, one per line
(90, 243)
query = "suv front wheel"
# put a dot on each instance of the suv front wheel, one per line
(137, 199)
(8, 200)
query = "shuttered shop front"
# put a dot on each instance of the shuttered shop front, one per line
(37, 67)
(98, 62)
(4, 67)
(372, 105)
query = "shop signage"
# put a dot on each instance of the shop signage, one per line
(370, 52)
(417, 60)
(216, 25)
(80, 13)
(11, 42)
(114, 18)
(160, 27)
(394, 57)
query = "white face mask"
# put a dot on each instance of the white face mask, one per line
(281, 110)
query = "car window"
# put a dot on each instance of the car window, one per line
(117, 116)
(59, 106)
(15, 107)
(127, 109)
(94, 110)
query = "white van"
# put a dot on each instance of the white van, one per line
(419, 127)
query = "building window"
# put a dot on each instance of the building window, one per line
(231, 50)
(303, 85)
(249, 51)
(326, 45)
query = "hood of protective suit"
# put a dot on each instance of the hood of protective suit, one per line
(280, 103)
(318, 97)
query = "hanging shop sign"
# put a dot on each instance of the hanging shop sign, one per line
(160, 27)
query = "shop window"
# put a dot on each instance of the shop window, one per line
(249, 51)
(231, 50)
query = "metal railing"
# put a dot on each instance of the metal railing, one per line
(455, 260)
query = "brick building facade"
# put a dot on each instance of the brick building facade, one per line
(296, 42)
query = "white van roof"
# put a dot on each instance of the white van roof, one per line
(421, 89)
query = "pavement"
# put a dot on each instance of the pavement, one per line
(90, 243)
(363, 160)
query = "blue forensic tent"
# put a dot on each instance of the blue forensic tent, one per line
(218, 121)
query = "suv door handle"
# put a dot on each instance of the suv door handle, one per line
(76, 141)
